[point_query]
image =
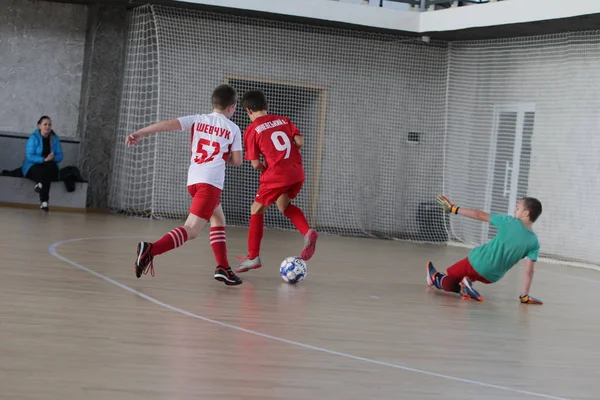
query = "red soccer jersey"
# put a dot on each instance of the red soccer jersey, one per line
(273, 137)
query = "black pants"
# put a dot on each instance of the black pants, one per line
(44, 174)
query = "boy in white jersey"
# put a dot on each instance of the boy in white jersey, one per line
(215, 141)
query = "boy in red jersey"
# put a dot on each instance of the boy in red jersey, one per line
(215, 141)
(278, 140)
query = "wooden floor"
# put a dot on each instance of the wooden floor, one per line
(362, 326)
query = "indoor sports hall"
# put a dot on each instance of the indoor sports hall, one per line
(485, 102)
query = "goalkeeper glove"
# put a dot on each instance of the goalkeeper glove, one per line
(527, 299)
(448, 206)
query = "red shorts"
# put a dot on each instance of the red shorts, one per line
(206, 198)
(464, 268)
(268, 196)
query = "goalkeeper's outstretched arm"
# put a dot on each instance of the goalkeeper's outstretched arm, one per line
(449, 207)
(474, 214)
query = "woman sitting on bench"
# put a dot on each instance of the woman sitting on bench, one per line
(42, 156)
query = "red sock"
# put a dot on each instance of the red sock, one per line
(449, 284)
(219, 245)
(255, 234)
(297, 217)
(170, 241)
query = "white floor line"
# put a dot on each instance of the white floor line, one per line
(52, 249)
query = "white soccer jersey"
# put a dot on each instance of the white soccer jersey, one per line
(213, 137)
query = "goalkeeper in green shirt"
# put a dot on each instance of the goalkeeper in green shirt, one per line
(488, 263)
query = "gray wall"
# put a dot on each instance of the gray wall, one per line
(41, 64)
(65, 61)
(100, 94)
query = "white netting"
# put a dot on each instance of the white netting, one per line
(523, 119)
(389, 123)
(355, 96)
(133, 174)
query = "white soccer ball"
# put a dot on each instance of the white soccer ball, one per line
(293, 270)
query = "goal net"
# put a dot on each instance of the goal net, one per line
(371, 108)
(389, 123)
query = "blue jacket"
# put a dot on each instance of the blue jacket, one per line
(35, 147)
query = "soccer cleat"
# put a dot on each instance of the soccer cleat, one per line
(37, 188)
(467, 292)
(44, 206)
(248, 264)
(144, 261)
(310, 242)
(227, 276)
(432, 276)
(527, 299)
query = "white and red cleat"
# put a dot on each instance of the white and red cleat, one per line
(248, 264)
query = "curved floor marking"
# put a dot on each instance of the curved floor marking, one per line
(52, 250)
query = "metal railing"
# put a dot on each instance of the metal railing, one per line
(431, 4)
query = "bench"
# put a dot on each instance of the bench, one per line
(19, 191)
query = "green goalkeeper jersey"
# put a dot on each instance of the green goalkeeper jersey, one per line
(512, 243)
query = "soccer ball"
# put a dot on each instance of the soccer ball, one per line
(293, 270)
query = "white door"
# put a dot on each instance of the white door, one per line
(510, 156)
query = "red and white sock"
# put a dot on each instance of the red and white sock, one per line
(172, 240)
(255, 234)
(297, 217)
(218, 242)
